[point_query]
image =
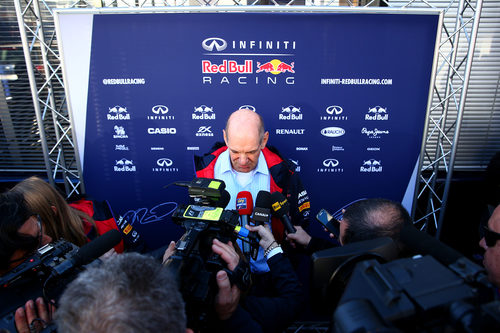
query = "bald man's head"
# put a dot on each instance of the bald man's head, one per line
(245, 137)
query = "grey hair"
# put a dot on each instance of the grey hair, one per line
(127, 293)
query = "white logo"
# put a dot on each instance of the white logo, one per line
(334, 109)
(373, 149)
(302, 148)
(120, 132)
(157, 148)
(157, 109)
(371, 165)
(164, 165)
(374, 133)
(192, 148)
(164, 162)
(248, 107)
(118, 113)
(117, 109)
(212, 43)
(337, 148)
(332, 132)
(124, 165)
(288, 131)
(334, 112)
(121, 147)
(204, 131)
(205, 113)
(290, 113)
(160, 112)
(290, 109)
(330, 163)
(297, 166)
(377, 113)
(162, 130)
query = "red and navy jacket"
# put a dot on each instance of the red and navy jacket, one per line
(284, 179)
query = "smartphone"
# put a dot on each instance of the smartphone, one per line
(329, 222)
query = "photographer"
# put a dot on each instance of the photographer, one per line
(257, 313)
(21, 233)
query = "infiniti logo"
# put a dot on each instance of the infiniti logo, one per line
(157, 109)
(248, 107)
(164, 162)
(330, 163)
(334, 109)
(210, 43)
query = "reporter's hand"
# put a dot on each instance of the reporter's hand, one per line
(300, 237)
(227, 253)
(108, 255)
(228, 297)
(169, 251)
(24, 317)
(266, 236)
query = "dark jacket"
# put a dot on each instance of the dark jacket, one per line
(284, 179)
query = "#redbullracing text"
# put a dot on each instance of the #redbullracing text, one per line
(124, 81)
(386, 82)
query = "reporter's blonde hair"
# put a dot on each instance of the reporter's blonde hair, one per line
(59, 219)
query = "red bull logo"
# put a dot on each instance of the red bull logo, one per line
(227, 66)
(275, 67)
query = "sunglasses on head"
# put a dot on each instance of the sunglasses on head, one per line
(490, 237)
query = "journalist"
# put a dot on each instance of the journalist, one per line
(491, 247)
(127, 293)
(363, 220)
(21, 234)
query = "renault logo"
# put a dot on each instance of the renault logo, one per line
(164, 162)
(330, 163)
(210, 43)
(157, 109)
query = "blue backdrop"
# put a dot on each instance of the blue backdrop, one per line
(343, 95)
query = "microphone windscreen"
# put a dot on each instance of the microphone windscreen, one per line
(244, 203)
(224, 199)
(279, 204)
(97, 247)
(263, 199)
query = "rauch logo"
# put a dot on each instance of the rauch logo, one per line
(332, 132)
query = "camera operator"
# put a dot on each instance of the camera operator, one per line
(363, 220)
(127, 293)
(255, 312)
(21, 233)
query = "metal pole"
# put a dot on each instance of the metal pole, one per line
(34, 91)
(468, 66)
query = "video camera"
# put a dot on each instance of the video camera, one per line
(194, 263)
(47, 272)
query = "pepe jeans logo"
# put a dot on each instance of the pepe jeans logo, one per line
(374, 133)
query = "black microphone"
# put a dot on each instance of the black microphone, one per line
(224, 199)
(281, 207)
(262, 209)
(90, 251)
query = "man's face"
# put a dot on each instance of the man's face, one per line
(32, 227)
(491, 259)
(244, 149)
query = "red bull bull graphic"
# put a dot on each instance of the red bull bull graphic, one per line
(275, 66)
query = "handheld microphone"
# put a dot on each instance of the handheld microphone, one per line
(262, 210)
(244, 205)
(281, 208)
(90, 251)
